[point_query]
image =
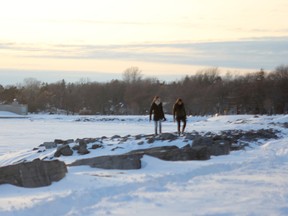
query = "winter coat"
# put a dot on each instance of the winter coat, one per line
(179, 111)
(158, 112)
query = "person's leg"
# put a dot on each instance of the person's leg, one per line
(178, 125)
(160, 127)
(155, 126)
(184, 125)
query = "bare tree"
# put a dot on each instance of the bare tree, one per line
(132, 75)
(204, 93)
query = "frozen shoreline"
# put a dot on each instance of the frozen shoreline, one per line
(250, 182)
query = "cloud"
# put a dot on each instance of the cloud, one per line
(254, 53)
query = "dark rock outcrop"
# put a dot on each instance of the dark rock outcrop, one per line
(132, 160)
(64, 150)
(96, 146)
(83, 148)
(115, 137)
(122, 162)
(167, 136)
(214, 147)
(173, 153)
(33, 174)
(162, 137)
(59, 141)
(87, 140)
(49, 145)
(201, 148)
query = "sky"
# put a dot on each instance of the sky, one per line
(73, 39)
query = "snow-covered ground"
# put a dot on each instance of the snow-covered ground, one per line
(250, 182)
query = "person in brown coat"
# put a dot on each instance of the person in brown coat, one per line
(179, 114)
(158, 114)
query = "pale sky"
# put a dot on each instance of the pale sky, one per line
(82, 38)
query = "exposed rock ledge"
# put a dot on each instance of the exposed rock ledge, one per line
(42, 173)
(132, 160)
(33, 174)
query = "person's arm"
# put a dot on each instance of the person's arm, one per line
(184, 111)
(150, 112)
(173, 112)
(163, 113)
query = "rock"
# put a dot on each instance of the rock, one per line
(139, 136)
(86, 140)
(59, 141)
(151, 140)
(202, 153)
(252, 135)
(122, 162)
(123, 140)
(83, 149)
(173, 153)
(96, 146)
(49, 145)
(64, 150)
(218, 147)
(33, 174)
(117, 147)
(131, 160)
(153, 151)
(190, 136)
(202, 147)
(115, 137)
(267, 134)
(76, 147)
(202, 141)
(167, 136)
(140, 142)
(69, 141)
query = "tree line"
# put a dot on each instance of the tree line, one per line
(204, 93)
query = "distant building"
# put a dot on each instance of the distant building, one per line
(15, 107)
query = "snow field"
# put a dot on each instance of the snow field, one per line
(250, 182)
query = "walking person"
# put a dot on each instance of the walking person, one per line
(179, 114)
(158, 114)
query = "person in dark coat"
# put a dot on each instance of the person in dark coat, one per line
(158, 114)
(179, 114)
